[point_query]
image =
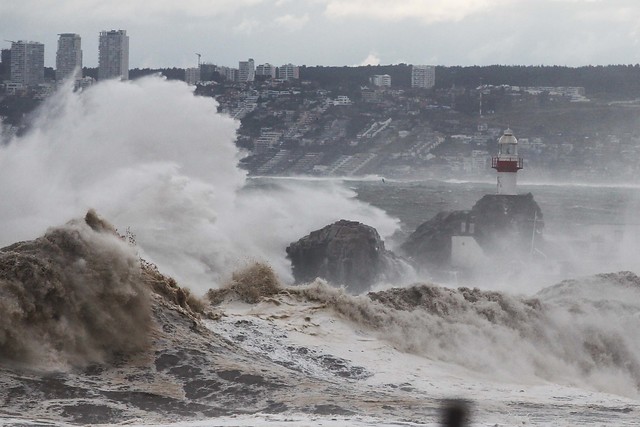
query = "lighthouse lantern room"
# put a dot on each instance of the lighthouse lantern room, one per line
(507, 163)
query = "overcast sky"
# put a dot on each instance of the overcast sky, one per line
(167, 33)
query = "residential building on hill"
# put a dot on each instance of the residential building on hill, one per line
(113, 60)
(381, 80)
(267, 70)
(27, 63)
(5, 59)
(246, 71)
(288, 72)
(230, 74)
(423, 76)
(192, 75)
(68, 56)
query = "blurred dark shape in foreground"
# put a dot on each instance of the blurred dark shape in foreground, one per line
(455, 413)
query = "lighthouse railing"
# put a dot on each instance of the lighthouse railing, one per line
(496, 159)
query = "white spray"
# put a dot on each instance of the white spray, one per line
(151, 156)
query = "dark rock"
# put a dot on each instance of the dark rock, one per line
(498, 223)
(89, 413)
(506, 223)
(431, 242)
(346, 253)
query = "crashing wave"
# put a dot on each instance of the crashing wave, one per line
(72, 297)
(108, 338)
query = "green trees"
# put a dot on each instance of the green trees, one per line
(617, 81)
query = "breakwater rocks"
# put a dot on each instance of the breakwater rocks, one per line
(346, 253)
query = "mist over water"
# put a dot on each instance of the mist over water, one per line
(150, 156)
(588, 229)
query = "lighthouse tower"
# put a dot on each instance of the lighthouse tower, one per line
(507, 163)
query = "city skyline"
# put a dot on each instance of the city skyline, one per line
(340, 32)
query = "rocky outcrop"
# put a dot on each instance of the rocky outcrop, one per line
(431, 242)
(499, 224)
(506, 223)
(345, 253)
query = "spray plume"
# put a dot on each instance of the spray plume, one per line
(151, 156)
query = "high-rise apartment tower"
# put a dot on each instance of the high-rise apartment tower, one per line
(246, 71)
(267, 70)
(68, 56)
(27, 63)
(113, 60)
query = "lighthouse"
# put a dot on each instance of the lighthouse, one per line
(507, 163)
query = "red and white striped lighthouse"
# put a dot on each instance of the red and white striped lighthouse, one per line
(507, 163)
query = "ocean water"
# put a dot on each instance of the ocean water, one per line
(565, 206)
(589, 228)
(556, 344)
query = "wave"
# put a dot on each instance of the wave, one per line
(580, 332)
(72, 297)
(79, 297)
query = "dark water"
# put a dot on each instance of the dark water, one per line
(566, 208)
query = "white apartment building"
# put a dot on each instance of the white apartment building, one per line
(27, 63)
(68, 56)
(246, 71)
(231, 74)
(113, 60)
(342, 100)
(288, 72)
(381, 80)
(192, 75)
(423, 76)
(267, 70)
